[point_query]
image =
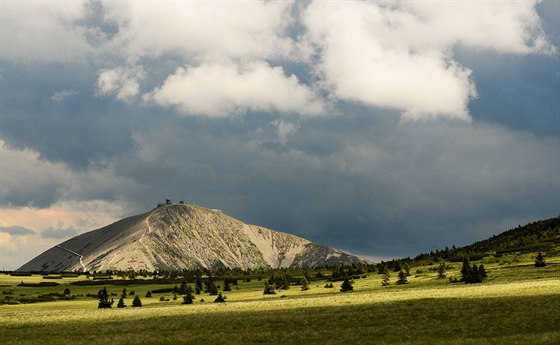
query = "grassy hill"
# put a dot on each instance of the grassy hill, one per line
(542, 235)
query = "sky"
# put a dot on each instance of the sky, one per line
(384, 129)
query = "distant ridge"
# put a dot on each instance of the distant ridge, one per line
(542, 235)
(181, 236)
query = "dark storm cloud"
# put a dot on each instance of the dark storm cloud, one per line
(16, 230)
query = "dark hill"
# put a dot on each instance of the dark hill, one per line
(542, 235)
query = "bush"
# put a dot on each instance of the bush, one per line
(67, 291)
(149, 294)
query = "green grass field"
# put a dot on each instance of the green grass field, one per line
(517, 304)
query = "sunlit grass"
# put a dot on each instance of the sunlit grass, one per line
(518, 304)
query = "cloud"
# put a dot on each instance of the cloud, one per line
(284, 130)
(58, 233)
(399, 55)
(60, 95)
(16, 230)
(201, 30)
(123, 82)
(44, 31)
(218, 90)
(30, 181)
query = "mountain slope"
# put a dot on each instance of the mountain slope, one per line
(179, 237)
(542, 235)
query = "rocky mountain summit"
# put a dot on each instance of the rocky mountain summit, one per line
(181, 236)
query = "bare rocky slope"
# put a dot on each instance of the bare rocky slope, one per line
(179, 237)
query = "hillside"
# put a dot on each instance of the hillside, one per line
(542, 235)
(178, 236)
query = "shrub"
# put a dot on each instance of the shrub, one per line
(149, 294)
(67, 291)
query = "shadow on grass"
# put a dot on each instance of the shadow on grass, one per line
(501, 320)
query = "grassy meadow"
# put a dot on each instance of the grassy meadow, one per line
(517, 304)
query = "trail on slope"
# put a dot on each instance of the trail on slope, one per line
(73, 252)
(142, 237)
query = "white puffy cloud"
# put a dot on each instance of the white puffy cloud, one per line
(219, 90)
(44, 31)
(123, 82)
(201, 30)
(399, 55)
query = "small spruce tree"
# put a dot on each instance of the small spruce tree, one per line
(212, 289)
(441, 270)
(220, 298)
(402, 278)
(346, 285)
(386, 276)
(67, 291)
(188, 297)
(268, 288)
(149, 294)
(539, 260)
(136, 302)
(227, 287)
(305, 285)
(121, 303)
(198, 285)
(104, 299)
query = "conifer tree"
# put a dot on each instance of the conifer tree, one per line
(386, 276)
(188, 297)
(149, 294)
(212, 289)
(305, 285)
(268, 288)
(121, 303)
(482, 272)
(198, 285)
(220, 298)
(104, 299)
(346, 285)
(539, 260)
(136, 302)
(227, 287)
(402, 278)
(441, 270)
(406, 268)
(124, 294)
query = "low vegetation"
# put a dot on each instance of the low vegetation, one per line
(491, 298)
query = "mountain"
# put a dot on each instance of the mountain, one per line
(180, 236)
